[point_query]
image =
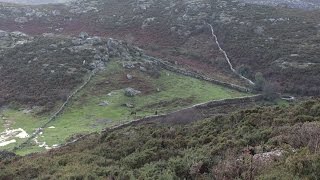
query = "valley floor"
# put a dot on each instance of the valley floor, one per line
(103, 104)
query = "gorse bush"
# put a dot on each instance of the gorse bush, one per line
(206, 149)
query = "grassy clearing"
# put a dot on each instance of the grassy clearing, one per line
(167, 93)
(164, 94)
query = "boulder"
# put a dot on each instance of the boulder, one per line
(104, 103)
(83, 35)
(129, 76)
(21, 20)
(97, 65)
(94, 40)
(56, 13)
(76, 41)
(130, 92)
(143, 69)
(97, 57)
(105, 58)
(3, 34)
(18, 34)
(259, 30)
(129, 105)
(128, 65)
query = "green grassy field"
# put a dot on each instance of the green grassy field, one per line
(18, 119)
(164, 94)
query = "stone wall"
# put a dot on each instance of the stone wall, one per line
(169, 67)
(188, 114)
(58, 112)
(183, 116)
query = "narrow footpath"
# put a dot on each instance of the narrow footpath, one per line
(227, 57)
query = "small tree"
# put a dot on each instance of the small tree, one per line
(259, 82)
(269, 91)
(245, 71)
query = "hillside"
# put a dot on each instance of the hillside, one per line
(278, 41)
(56, 87)
(159, 89)
(282, 140)
(34, 2)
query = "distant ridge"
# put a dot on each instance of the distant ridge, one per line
(34, 2)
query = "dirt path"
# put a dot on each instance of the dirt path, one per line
(226, 56)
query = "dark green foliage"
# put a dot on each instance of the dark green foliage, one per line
(198, 150)
(37, 73)
(260, 81)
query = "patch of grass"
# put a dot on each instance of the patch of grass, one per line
(18, 119)
(175, 92)
(28, 150)
(282, 103)
(27, 121)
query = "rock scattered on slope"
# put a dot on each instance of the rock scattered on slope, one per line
(104, 103)
(130, 92)
(129, 76)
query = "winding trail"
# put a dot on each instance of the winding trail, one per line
(226, 56)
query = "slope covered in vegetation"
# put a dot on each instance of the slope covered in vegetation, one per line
(281, 140)
(280, 42)
(103, 104)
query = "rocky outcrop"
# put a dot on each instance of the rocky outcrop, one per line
(121, 49)
(21, 20)
(11, 39)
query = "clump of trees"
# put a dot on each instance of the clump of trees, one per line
(268, 89)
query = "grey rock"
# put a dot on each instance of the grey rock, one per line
(130, 92)
(40, 14)
(56, 12)
(147, 22)
(21, 20)
(71, 70)
(53, 46)
(97, 65)
(83, 35)
(143, 69)
(129, 105)
(128, 65)
(104, 103)
(94, 40)
(3, 34)
(105, 58)
(259, 30)
(129, 76)
(18, 34)
(97, 57)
